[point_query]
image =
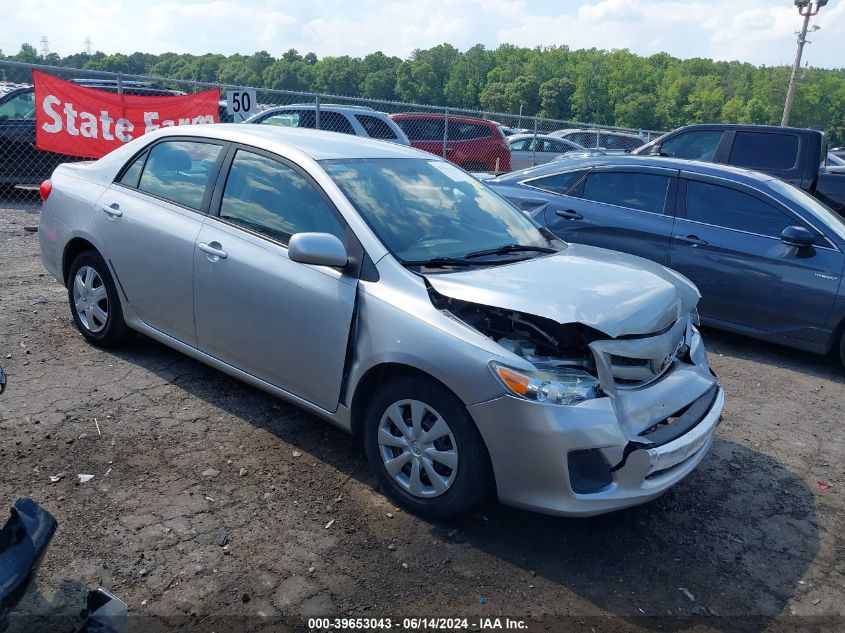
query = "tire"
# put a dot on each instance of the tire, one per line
(94, 302)
(461, 470)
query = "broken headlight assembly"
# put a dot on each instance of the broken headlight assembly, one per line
(555, 385)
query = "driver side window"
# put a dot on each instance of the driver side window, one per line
(19, 107)
(273, 199)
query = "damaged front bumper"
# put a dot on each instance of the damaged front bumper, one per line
(607, 453)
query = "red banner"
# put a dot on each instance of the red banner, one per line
(78, 121)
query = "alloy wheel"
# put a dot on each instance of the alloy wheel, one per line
(418, 448)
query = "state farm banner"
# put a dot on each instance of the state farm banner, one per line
(79, 121)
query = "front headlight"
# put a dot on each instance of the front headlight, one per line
(557, 386)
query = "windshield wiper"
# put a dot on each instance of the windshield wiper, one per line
(510, 248)
(439, 262)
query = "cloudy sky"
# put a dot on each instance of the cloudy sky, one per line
(758, 31)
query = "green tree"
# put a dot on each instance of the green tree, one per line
(556, 98)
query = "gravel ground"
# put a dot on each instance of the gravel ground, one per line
(182, 455)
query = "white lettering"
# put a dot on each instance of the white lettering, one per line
(122, 130)
(56, 125)
(70, 120)
(149, 121)
(106, 121)
(88, 125)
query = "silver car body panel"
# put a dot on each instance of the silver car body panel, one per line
(286, 329)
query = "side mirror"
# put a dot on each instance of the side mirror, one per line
(655, 150)
(797, 236)
(317, 249)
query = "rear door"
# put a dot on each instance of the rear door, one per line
(149, 219)
(727, 241)
(628, 209)
(284, 322)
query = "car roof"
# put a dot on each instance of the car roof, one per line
(595, 130)
(318, 144)
(622, 160)
(517, 137)
(437, 115)
(323, 106)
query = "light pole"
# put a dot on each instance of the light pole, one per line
(807, 8)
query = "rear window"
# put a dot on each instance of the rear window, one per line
(179, 171)
(375, 127)
(764, 150)
(422, 129)
(644, 192)
(467, 131)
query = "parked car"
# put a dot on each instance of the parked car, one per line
(474, 144)
(767, 258)
(20, 162)
(510, 131)
(796, 155)
(357, 120)
(600, 139)
(393, 294)
(528, 150)
(834, 160)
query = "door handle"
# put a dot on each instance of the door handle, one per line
(113, 209)
(215, 250)
(691, 240)
(568, 214)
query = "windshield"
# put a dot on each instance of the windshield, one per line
(835, 161)
(424, 209)
(808, 202)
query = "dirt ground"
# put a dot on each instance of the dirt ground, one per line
(750, 541)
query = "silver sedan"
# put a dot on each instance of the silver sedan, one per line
(394, 295)
(528, 150)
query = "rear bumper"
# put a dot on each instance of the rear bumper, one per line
(531, 446)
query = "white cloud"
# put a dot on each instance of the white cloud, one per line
(758, 31)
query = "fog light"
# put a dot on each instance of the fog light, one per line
(588, 471)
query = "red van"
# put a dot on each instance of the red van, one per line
(474, 144)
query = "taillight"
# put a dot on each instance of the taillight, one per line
(45, 189)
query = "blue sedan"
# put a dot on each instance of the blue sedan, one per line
(767, 258)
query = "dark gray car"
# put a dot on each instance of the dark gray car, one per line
(767, 257)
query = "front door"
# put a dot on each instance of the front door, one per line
(727, 241)
(281, 321)
(149, 220)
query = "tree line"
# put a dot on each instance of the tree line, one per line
(617, 87)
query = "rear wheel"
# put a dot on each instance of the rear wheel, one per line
(425, 449)
(94, 302)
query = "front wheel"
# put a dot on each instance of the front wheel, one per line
(94, 302)
(425, 449)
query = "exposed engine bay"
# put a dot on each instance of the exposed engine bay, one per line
(545, 344)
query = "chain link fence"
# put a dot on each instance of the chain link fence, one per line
(478, 141)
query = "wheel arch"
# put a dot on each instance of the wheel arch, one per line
(73, 249)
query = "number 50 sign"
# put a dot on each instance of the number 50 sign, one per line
(240, 103)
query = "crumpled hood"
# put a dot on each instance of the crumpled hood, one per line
(614, 293)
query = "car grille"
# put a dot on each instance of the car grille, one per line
(636, 362)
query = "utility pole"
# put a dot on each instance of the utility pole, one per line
(807, 8)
